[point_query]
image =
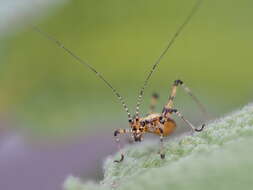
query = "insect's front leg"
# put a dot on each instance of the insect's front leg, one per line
(118, 132)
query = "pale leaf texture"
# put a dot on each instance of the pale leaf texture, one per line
(220, 157)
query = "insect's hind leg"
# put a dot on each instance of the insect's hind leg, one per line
(201, 107)
(118, 132)
(169, 105)
(186, 121)
(172, 96)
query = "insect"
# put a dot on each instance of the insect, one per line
(160, 124)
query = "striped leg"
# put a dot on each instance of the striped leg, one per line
(172, 96)
(116, 135)
(162, 154)
(186, 121)
(169, 105)
(153, 128)
(153, 103)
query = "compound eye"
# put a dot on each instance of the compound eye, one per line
(130, 121)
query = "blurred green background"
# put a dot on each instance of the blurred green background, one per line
(47, 92)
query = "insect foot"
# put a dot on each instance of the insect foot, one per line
(162, 156)
(121, 159)
(201, 129)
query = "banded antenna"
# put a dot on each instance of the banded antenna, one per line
(170, 43)
(81, 61)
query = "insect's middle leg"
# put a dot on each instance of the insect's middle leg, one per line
(161, 133)
(116, 135)
(172, 96)
(153, 103)
(162, 154)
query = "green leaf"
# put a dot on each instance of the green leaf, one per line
(220, 157)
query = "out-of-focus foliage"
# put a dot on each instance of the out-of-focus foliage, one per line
(43, 88)
(219, 157)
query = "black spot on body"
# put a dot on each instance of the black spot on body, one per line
(142, 123)
(161, 130)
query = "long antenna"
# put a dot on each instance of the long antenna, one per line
(81, 61)
(171, 41)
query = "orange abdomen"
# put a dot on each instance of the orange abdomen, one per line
(169, 127)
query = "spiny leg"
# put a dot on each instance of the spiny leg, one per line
(116, 135)
(153, 103)
(186, 121)
(189, 92)
(172, 96)
(169, 105)
(162, 154)
(155, 128)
